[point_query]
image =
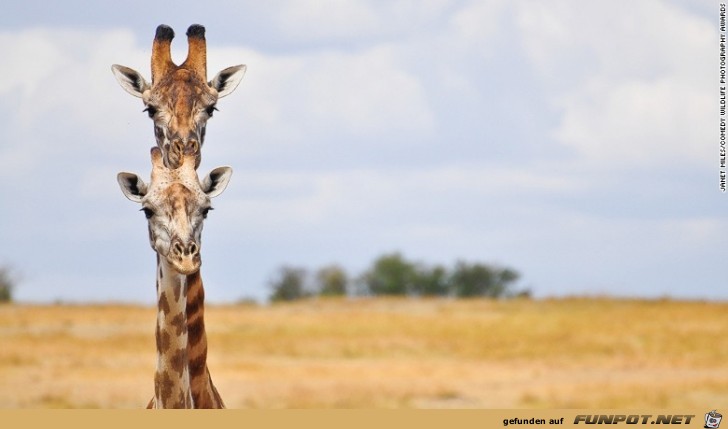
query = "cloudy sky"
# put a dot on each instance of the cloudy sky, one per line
(574, 141)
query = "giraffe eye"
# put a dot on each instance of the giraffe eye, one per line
(148, 213)
(205, 211)
(210, 110)
(151, 111)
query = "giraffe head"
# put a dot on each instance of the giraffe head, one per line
(175, 204)
(180, 99)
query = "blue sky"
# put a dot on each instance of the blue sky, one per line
(574, 141)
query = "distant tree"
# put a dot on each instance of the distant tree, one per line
(432, 281)
(390, 275)
(331, 281)
(7, 285)
(505, 278)
(289, 284)
(471, 280)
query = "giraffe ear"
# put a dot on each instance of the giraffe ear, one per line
(216, 182)
(131, 80)
(132, 186)
(227, 80)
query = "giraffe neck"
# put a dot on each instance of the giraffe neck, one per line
(172, 376)
(203, 391)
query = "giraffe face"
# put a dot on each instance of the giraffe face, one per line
(179, 100)
(176, 203)
(180, 106)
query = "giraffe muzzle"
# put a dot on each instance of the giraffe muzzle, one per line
(185, 256)
(178, 148)
(185, 146)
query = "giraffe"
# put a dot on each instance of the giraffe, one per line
(175, 203)
(179, 99)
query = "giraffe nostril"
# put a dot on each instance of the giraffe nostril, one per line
(178, 146)
(193, 147)
(193, 249)
(177, 248)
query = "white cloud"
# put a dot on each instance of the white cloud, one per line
(631, 80)
(25, 72)
(475, 25)
(61, 98)
(280, 201)
(643, 123)
(335, 21)
(315, 20)
(566, 39)
(315, 97)
(68, 71)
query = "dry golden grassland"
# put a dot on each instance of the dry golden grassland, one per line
(383, 353)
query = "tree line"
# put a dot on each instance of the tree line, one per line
(394, 275)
